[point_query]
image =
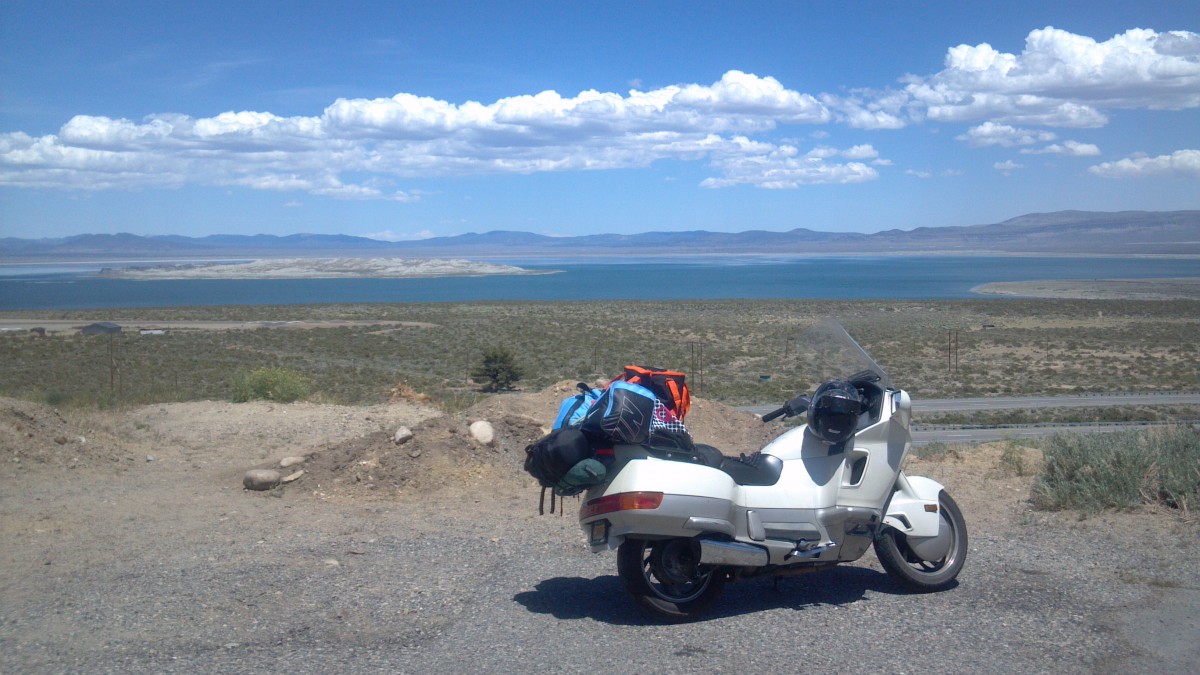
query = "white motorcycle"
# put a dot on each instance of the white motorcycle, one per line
(686, 521)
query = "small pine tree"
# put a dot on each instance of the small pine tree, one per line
(499, 369)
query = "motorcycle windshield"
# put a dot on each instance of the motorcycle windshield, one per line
(825, 351)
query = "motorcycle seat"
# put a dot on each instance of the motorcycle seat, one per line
(692, 453)
(709, 455)
(756, 469)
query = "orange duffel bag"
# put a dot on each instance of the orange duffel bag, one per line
(670, 386)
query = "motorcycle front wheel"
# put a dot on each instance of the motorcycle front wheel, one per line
(665, 579)
(905, 566)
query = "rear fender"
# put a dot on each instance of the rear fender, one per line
(913, 509)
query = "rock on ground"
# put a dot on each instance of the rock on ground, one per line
(260, 479)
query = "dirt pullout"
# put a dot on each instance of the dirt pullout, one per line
(386, 557)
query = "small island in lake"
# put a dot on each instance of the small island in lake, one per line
(1097, 289)
(318, 268)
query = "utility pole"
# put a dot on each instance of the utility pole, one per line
(697, 363)
(112, 367)
(952, 350)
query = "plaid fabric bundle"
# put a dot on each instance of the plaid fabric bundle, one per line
(665, 421)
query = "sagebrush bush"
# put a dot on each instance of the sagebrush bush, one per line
(1121, 470)
(937, 452)
(1012, 459)
(271, 384)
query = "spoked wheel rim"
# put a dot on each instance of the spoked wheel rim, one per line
(671, 570)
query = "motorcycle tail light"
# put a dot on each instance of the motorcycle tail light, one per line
(623, 501)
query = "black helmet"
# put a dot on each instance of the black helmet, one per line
(833, 413)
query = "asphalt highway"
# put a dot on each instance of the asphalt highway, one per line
(954, 434)
(941, 405)
(923, 434)
(1039, 402)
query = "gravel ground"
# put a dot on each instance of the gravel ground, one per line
(113, 563)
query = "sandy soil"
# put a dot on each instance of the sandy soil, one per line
(93, 501)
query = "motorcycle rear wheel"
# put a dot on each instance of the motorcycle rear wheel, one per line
(664, 578)
(925, 576)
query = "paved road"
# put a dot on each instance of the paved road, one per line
(940, 405)
(947, 434)
(951, 434)
(1040, 402)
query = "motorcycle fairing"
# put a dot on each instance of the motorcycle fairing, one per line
(858, 474)
(913, 509)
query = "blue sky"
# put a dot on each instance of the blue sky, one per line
(409, 120)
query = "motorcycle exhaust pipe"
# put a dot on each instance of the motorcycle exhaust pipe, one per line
(732, 553)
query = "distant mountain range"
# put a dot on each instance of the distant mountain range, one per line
(1059, 233)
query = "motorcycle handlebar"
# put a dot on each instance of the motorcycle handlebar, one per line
(774, 414)
(796, 406)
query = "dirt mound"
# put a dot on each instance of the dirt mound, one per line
(728, 429)
(443, 457)
(259, 431)
(541, 406)
(37, 434)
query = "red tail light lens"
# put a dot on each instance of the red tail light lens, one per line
(624, 501)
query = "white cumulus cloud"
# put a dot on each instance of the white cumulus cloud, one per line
(861, 152)
(784, 167)
(1184, 163)
(1059, 79)
(1069, 148)
(1063, 79)
(991, 133)
(408, 136)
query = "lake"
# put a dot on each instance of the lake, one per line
(69, 286)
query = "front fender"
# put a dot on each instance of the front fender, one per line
(908, 512)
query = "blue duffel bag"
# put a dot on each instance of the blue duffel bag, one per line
(574, 408)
